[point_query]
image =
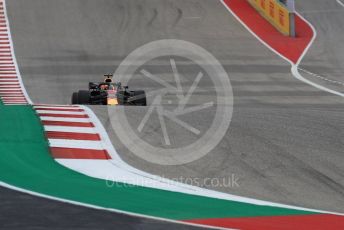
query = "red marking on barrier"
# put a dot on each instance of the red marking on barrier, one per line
(7, 100)
(15, 102)
(6, 69)
(13, 99)
(63, 115)
(74, 153)
(17, 97)
(11, 93)
(68, 123)
(61, 109)
(7, 95)
(291, 222)
(8, 80)
(3, 77)
(10, 90)
(51, 105)
(73, 136)
(9, 85)
(288, 47)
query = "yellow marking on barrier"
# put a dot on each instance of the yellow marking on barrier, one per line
(276, 13)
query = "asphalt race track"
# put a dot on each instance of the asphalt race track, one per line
(285, 139)
(55, 215)
(326, 57)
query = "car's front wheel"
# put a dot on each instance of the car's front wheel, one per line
(83, 97)
(75, 98)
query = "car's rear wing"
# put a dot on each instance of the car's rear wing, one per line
(95, 85)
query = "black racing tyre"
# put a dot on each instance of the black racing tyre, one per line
(138, 98)
(83, 97)
(75, 98)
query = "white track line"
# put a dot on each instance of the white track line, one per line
(69, 129)
(8, 79)
(321, 77)
(340, 3)
(65, 119)
(64, 143)
(60, 112)
(295, 70)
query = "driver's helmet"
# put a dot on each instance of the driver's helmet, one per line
(108, 78)
(104, 87)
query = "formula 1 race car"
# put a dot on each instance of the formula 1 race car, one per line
(109, 93)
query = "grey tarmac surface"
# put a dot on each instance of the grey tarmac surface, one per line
(326, 58)
(285, 139)
(22, 211)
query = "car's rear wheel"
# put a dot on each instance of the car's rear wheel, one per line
(75, 98)
(139, 98)
(83, 97)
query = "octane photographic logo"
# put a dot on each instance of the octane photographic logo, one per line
(189, 102)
